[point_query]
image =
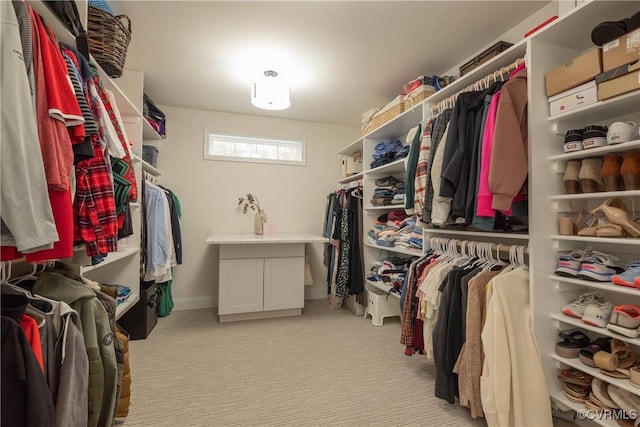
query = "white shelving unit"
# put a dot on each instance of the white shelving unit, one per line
(556, 44)
(559, 43)
(121, 267)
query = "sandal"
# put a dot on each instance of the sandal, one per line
(587, 353)
(626, 357)
(572, 344)
(574, 376)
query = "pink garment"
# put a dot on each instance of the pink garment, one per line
(485, 197)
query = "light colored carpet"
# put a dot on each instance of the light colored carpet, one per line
(324, 368)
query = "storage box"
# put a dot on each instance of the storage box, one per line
(351, 166)
(353, 305)
(621, 84)
(140, 320)
(583, 69)
(381, 305)
(571, 99)
(623, 50)
(150, 154)
(483, 57)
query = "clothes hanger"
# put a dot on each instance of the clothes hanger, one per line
(30, 276)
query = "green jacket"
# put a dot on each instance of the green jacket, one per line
(98, 340)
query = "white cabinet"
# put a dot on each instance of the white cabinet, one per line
(241, 285)
(260, 281)
(282, 278)
(261, 276)
(261, 284)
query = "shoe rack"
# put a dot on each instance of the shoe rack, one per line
(555, 45)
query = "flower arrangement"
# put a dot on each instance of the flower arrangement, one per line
(250, 202)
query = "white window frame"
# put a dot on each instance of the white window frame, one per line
(255, 140)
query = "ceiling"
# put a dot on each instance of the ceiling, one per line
(342, 57)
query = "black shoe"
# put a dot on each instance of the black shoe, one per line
(594, 136)
(573, 140)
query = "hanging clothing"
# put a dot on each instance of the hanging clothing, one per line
(512, 358)
(27, 218)
(26, 400)
(509, 154)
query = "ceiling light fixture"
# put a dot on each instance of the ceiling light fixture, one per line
(270, 92)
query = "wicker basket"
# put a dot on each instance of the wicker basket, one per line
(381, 118)
(109, 38)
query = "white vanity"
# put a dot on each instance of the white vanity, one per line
(261, 276)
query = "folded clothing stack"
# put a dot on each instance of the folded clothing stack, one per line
(388, 151)
(389, 191)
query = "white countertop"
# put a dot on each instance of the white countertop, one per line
(237, 239)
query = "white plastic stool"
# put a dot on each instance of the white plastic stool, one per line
(379, 306)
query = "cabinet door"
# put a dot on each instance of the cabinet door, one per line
(240, 287)
(283, 283)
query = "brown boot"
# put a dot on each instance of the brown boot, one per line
(610, 172)
(630, 171)
(589, 175)
(570, 178)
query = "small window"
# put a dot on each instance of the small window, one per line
(251, 149)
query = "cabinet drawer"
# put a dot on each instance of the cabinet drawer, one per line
(279, 250)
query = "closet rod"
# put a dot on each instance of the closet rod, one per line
(351, 184)
(494, 246)
(483, 83)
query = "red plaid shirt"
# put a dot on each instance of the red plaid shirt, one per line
(94, 205)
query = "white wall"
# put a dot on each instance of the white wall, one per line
(293, 197)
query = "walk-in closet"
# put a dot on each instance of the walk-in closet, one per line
(310, 213)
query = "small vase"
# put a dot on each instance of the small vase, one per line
(260, 219)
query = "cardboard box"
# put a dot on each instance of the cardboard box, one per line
(583, 69)
(622, 84)
(624, 50)
(571, 99)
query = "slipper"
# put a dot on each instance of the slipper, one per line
(608, 31)
(606, 361)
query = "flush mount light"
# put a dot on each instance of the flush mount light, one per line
(270, 92)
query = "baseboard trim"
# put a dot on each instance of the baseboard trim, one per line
(194, 303)
(198, 303)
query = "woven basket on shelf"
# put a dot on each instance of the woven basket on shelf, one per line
(382, 118)
(109, 38)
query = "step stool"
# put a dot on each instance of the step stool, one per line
(380, 305)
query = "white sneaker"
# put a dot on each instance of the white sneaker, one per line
(577, 308)
(598, 314)
(620, 132)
